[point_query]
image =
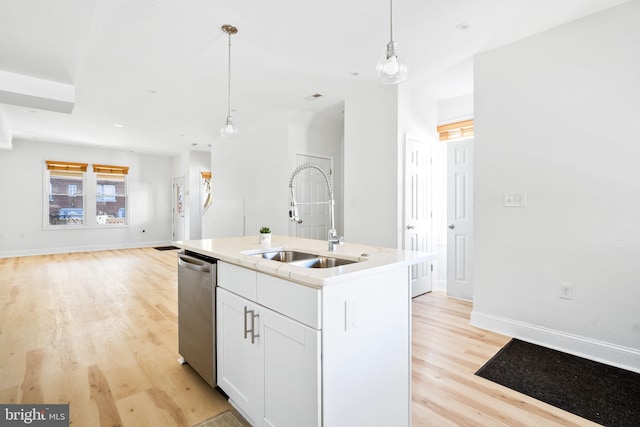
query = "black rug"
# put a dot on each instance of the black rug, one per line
(166, 248)
(601, 393)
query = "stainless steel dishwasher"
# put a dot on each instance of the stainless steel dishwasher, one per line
(196, 313)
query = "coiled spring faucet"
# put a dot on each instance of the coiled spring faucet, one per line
(333, 238)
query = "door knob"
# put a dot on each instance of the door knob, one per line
(451, 226)
(410, 227)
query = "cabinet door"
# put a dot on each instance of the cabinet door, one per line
(237, 356)
(290, 381)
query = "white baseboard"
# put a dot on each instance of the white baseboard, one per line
(600, 351)
(72, 249)
(439, 285)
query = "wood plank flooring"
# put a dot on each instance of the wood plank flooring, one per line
(446, 352)
(98, 330)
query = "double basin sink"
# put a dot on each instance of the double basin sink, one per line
(303, 259)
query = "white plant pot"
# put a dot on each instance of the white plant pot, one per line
(265, 238)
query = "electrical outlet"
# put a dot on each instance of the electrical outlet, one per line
(566, 290)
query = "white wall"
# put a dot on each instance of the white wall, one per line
(371, 167)
(21, 196)
(455, 109)
(376, 123)
(251, 175)
(553, 119)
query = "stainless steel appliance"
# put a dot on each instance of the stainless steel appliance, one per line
(196, 313)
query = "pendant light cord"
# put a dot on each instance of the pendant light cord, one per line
(391, 20)
(229, 81)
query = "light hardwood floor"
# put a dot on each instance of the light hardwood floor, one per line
(98, 330)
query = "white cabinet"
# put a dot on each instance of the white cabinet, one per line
(268, 364)
(237, 357)
(335, 356)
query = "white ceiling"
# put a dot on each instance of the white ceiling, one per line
(159, 67)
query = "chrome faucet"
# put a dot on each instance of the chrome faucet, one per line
(332, 237)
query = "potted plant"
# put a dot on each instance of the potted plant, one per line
(265, 235)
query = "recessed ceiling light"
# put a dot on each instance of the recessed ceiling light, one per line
(463, 26)
(313, 97)
(354, 73)
(118, 125)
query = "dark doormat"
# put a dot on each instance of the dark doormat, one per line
(166, 248)
(601, 393)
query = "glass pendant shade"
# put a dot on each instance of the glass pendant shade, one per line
(228, 130)
(391, 68)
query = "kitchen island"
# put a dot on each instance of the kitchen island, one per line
(313, 346)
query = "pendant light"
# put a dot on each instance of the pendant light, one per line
(228, 130)
(392, 69)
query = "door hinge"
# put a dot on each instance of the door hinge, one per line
(431, 267)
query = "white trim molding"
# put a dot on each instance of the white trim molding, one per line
(600, 351)
(87, 248)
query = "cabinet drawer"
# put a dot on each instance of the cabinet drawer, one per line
(298, 302)
(238, 280)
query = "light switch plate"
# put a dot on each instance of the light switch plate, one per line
(515, 200)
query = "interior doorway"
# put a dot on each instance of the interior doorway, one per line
(418, 210)
(313, 197)
(178, 209)
(460, 218)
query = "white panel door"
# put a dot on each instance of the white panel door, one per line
(418, 211)
(178, 208)
(311, 191)
(460, 218)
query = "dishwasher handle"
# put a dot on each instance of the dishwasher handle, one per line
(195, 264)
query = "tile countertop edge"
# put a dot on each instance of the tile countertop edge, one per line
(230, 249)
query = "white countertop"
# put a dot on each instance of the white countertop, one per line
(371, 259)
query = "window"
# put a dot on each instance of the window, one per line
(66, 195)
(105, 193)
(111, 194)
(457, 130)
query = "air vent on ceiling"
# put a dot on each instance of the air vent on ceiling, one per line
(313, 97)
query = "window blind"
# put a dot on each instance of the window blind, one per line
(457, 130)
(54, 165)
(121, 170)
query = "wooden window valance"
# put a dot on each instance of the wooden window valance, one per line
(121, 170)
(457, 130)
(54, 165)
(206, 175)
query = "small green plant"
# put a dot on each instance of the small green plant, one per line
(265, 230)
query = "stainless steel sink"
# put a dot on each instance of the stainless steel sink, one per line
(322, 262)
(303, 259)
(285, 256)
